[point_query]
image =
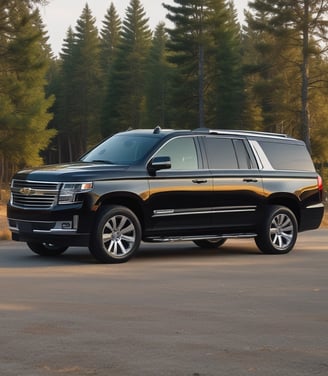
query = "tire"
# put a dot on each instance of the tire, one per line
(46, 249)
(210, 243)
(116, 236)
(278, 233)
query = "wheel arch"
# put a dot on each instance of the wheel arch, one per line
(288, 201)
(129, 200)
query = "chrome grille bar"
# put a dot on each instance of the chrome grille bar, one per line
(33, 194)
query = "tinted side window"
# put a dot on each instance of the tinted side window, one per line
(221, 153)
(244, 160)
(287, 156)
(182, 152)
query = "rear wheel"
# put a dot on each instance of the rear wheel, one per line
(117, 235)
(205, 243)
(279, 231)
(46, 249)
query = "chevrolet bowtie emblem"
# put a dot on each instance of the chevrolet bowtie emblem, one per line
(27, 191)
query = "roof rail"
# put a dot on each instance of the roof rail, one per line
(246, 132)
(239, 131)
(202, 129)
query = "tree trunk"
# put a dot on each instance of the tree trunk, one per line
(2, 173)
(201, 86)
(305, 116)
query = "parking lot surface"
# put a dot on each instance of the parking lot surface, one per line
(172, 310)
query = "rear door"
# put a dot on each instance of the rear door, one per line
(237, 185)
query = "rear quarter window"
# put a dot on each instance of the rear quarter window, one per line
(287, 156)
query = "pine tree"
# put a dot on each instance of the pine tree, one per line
(187, 45)
(109, 38)
(79, 90)
(125, 102)
(203, 48)
(302, 24)
(158, 81)
(318, 104)
(229, 88)
(24, 107)
(52, 154)
(64, 107)
(87, 80)
(267, 80)
(109, 47)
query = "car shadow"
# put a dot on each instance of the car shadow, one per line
(24, 258)
(158, 251)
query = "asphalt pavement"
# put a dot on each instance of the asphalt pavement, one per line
(174, 309)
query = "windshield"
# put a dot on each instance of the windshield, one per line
(121, 149)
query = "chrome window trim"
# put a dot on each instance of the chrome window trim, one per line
(261, 158)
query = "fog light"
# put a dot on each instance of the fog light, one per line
(66, 225)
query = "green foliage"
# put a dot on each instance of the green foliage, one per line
(24, 107)
(203, 71)
(319, 117)
(271, 84)
(229, 88)
(204, 47)
(297, 29)
(125, 100)
(79, 97)
(86, 81)
(110, 36)
(110, 41)
(158, 81)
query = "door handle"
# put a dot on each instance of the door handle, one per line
(199, 181)
(250, 180)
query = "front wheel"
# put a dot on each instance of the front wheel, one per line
(116, 236)
(278, 233)
(46, 249)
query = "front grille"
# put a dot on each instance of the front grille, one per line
(34, 194)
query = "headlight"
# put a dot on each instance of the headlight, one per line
(69, 191)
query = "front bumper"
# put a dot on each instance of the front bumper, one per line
(48, 232)
(68, 226)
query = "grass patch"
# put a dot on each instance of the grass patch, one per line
(5, 234)
(324, 223)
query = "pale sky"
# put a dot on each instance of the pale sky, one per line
(60, 14)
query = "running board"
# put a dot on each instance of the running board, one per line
(204, 237)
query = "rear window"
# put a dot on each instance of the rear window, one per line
(287, 156)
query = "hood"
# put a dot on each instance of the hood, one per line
(80, 171)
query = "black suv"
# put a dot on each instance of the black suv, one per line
(165, 185)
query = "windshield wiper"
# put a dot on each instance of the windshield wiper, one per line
(101, 161)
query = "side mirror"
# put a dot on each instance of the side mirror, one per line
(159, 163)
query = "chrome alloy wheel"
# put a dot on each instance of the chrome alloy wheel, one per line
(119, 236)
(281, 231)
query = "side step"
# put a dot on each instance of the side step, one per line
(204, 237)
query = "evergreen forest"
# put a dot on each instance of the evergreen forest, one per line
(199, 69)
